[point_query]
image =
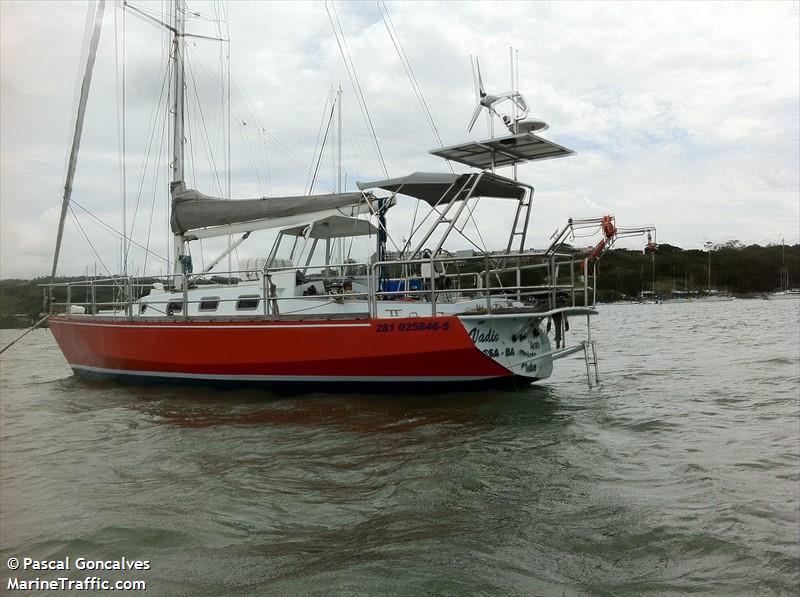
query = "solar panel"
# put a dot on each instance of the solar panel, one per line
(503, 151)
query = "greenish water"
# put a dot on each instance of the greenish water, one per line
(680, 474)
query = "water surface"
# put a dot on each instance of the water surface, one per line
(679, 474)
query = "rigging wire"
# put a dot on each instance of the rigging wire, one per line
(124, 144)
(121, 128)
(112, 229)
(341, 41)
(187, 112)
(89, 242)
(356, 145)
(401, 53)
(223, 9)
(154, 193)
(266, 166)
(398, 46)
(251, 157)
(205, 136)
(344, 50)
(163, 151)
(321, 149)
(309, 180)
(409, 70)
(223, 79)
(475, 224)
(154, 117)
(266, 136)
(262, 132)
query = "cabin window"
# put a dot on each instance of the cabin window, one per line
(142, 308)
(174, 307)
(247, 302)
(209, 303)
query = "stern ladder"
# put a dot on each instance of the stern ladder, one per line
(591, 362)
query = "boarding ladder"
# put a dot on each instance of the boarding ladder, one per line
(520, 227)
(591, 362)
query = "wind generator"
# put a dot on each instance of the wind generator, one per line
(519, 123)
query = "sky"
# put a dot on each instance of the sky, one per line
(685, 116)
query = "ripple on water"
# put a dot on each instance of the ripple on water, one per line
(678, 474)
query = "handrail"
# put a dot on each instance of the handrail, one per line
(556, 283)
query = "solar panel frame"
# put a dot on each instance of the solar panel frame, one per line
(507, 151)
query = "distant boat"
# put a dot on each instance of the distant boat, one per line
(785, 292)
(677, 300)
(792, 293)
(713, 298)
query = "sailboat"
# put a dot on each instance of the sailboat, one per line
(785, 292)
(423, 316)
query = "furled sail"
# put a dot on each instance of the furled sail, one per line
(192, 210)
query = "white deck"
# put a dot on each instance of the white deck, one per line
(247, 298)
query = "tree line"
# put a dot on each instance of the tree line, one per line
(733, 268)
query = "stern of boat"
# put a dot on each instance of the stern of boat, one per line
(520, 342)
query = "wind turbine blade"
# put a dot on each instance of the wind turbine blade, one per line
(475, 115)
(474, 77)
(482, 91)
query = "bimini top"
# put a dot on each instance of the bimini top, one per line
(438, 188)
(503, 151)
(333, 227)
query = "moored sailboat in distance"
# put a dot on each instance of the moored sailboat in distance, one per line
(789, 293)
(421, 316)
(785, 292)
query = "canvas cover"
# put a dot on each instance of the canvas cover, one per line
(333, 227)
(438, 187)
(192, 209)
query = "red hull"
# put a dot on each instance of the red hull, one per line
(431, 349)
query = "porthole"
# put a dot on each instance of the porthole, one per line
(248, 302)
(209, 303)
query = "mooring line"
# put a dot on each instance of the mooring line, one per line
(28, 331)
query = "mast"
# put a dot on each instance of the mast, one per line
(339, 242)
(514, 104)
(784, 271)
(339, 141)
(178, 78)
(76, 137)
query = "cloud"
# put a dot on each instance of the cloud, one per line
(683, 115)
